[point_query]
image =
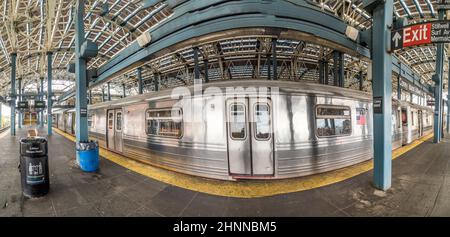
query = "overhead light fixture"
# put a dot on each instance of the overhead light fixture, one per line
(144, 39)
(351, 32)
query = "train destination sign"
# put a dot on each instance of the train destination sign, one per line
(419, 34)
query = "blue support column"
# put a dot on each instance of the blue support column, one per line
(103, 94)
(341, 69)
(361, 80)
(109, 91)
(399, 79)
(274, 59)
(41, 97)
(1, 118)
(321, 72)
(19, 119)
(438, 78)
(448, 100)
(140, 83)
(336, 68)
(196, 67)
(13, 94)
(382, 92)
(80, 74)
(157, 81)
(205, 62)
(49, 94)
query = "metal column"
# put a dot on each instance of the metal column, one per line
(123, 90)
(336, 68)
(399, 79)
(103, 94)
(19, 120)
(13, 94)
(321, 72)
(157, 80)
(382, 92)
(109, 90)
(341, 69)
(80, 74)
(438, 78)
(274, 59)
(49, 93)
(206, 70)
(196, 67)
(139, 77)
(41, 97)
(448, 100)
(361, 80)
(90, 97)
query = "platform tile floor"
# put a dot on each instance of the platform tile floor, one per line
(421, 187)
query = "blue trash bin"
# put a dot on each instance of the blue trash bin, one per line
(87, 156)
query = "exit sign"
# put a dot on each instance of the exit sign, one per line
(419, 34)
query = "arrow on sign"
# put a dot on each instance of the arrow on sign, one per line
(396, 38)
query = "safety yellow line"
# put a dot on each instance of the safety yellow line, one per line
(246, 188)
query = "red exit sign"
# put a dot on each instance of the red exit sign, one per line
(417, 35)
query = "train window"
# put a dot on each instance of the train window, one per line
(361, 116)
(119, 121)
(262, 121)
(333, 120)
(164, 122)
(110, 120)
(237, 121)
(90, 120)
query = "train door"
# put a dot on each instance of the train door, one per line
(114, 134)
(420, 122)
(405, 125)
(118, 130)
(110, 132)
(250, 136)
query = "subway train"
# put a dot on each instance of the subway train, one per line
(253, 129)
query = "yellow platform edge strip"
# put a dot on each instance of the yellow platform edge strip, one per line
(246, 188)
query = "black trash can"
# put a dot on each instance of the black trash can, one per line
(34, 166)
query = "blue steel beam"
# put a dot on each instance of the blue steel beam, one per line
(13, 94)
(438, 79)
(448, 100)
(41, 97)
(382, 92)
(80, 74)
(109, 91)
(274, 59)
(19, 120)
(140, 83)
(49, 93)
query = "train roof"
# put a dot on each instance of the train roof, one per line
(284, 87)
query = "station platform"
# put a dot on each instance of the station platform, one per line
(420, 187)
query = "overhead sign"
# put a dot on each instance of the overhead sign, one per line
(443, 4)
(39, 104)
(22, 105)
(419, 34)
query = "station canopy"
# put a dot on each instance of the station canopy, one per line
(31, 28)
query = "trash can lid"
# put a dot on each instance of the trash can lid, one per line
(33, 140)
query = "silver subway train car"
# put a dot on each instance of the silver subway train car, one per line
(250, 129)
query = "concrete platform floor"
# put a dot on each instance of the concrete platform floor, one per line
(421, 187)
